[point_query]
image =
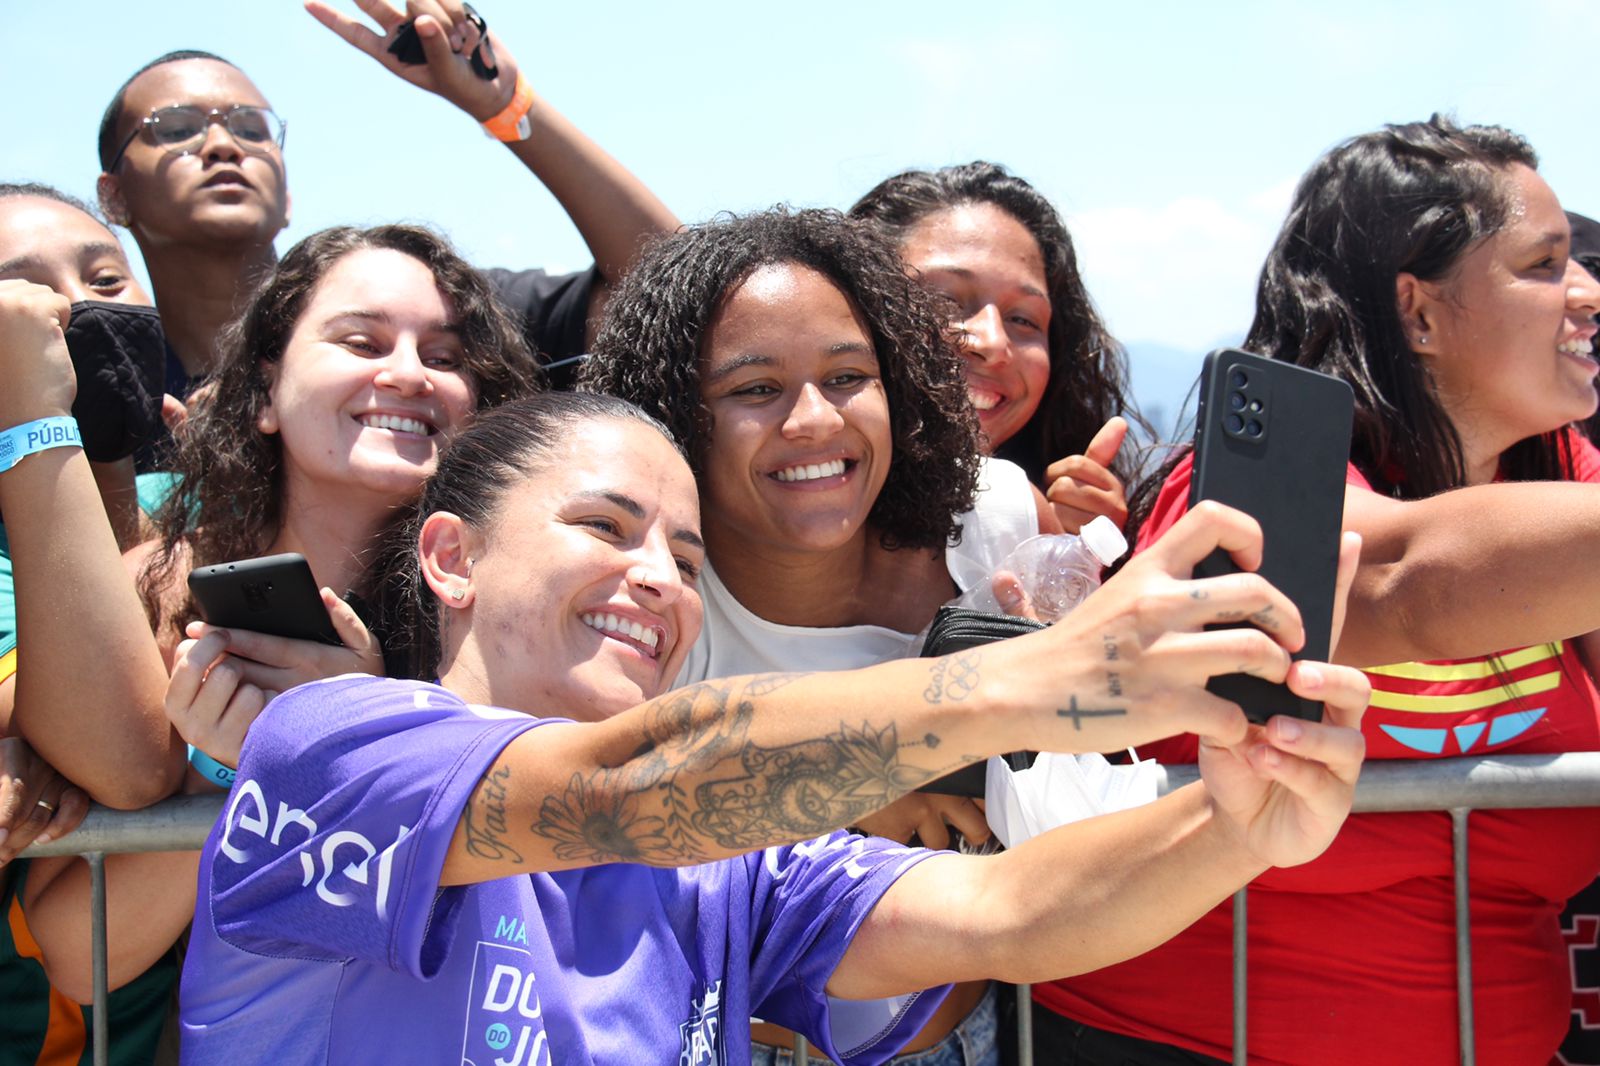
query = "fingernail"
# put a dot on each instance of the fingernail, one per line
(1311, 675)
(3, 834)
(1290, 729)
(43, 838)
(1273, 757)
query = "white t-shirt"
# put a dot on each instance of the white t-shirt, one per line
(734, 640)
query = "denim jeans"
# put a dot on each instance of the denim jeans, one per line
(972, 1043)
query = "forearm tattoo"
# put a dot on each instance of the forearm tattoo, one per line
(699, 787)
(486, 825)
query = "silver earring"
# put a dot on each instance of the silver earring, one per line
(458, 594)
(1422, 339)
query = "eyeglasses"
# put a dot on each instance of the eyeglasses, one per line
(182, 130)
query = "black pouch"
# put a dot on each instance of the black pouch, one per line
(119, 355)
(957, 629)
(407, 46)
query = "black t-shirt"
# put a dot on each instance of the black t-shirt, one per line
(552, 310)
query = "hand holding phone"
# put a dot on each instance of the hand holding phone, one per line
(1273, 440)
(274, 594)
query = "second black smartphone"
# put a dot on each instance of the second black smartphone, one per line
(274, 594)
(1273, 440)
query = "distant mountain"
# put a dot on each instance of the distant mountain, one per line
(1163, 384)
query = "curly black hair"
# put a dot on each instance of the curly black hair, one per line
(228, 500)
(1088, 381)
(650, 345)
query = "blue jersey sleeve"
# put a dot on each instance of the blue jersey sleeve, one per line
(807, 903)
(335, 833)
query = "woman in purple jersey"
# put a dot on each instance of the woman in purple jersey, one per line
(409, 871)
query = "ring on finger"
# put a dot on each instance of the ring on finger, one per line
(47, 806)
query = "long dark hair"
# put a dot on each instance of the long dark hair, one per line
(1088, 368)
(496, 452)
(1410, 198)
(1414, 198)
(649, 352)
(229, 497)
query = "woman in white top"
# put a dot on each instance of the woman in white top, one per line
(822, 400)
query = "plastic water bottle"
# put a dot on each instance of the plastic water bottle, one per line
(1057, 571)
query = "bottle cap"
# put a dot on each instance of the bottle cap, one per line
(1104, 539)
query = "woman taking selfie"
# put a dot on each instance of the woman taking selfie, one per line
(412, 871)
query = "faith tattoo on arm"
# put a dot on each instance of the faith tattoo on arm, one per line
(486, 825)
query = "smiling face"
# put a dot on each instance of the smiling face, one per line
(991, 269)
(800, 443)
(370, 384)
(51, 243)
(1513, 326)
(221, 190)
(584, 600)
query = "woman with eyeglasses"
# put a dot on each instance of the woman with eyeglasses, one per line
(540, 857)
(1049, 382)
(1428, 265)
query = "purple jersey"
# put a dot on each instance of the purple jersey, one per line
(322, 935)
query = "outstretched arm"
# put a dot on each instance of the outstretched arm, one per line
(613, 210)
(1105, 889)
(727, 766)
(1472, 571)
(74, 598)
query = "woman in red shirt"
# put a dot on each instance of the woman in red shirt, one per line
(1427, 265)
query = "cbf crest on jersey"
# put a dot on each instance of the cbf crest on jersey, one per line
(701, 1035)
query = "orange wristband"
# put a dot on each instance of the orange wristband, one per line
(513, 124)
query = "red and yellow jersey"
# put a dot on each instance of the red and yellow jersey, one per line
(1352, 956)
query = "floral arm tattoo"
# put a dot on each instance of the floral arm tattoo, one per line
(742, 795)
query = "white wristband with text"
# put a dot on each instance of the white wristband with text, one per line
(41, 434)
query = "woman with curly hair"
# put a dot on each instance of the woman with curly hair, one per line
(1049, 382)
(844, 497)
(357, 358)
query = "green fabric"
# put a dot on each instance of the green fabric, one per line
(154, 489)
(137, 1010)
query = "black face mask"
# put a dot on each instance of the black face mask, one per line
(119, 354)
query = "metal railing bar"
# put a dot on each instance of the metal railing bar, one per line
(1460, 858)
(1569, 779)
(101, 1026)
(1241, 985)
(177, 824)
(1024, 1025)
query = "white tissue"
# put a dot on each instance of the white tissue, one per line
(1058, 789)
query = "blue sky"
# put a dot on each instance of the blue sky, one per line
(1170, 134)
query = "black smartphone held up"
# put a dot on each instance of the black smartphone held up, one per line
(274, 594)
(1273, 440)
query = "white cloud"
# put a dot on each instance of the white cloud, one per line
(1182, 273)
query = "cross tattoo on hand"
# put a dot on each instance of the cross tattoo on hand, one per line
(1078, 714)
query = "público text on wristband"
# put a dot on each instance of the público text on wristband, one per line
(42, 434)
(211, 769)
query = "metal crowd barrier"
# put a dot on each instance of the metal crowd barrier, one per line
(1458, 786)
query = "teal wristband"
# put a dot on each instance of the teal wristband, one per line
(19, 442)
(211, 769)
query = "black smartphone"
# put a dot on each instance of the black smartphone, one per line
(957, 629)
(1273, 440)
(274, 594)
